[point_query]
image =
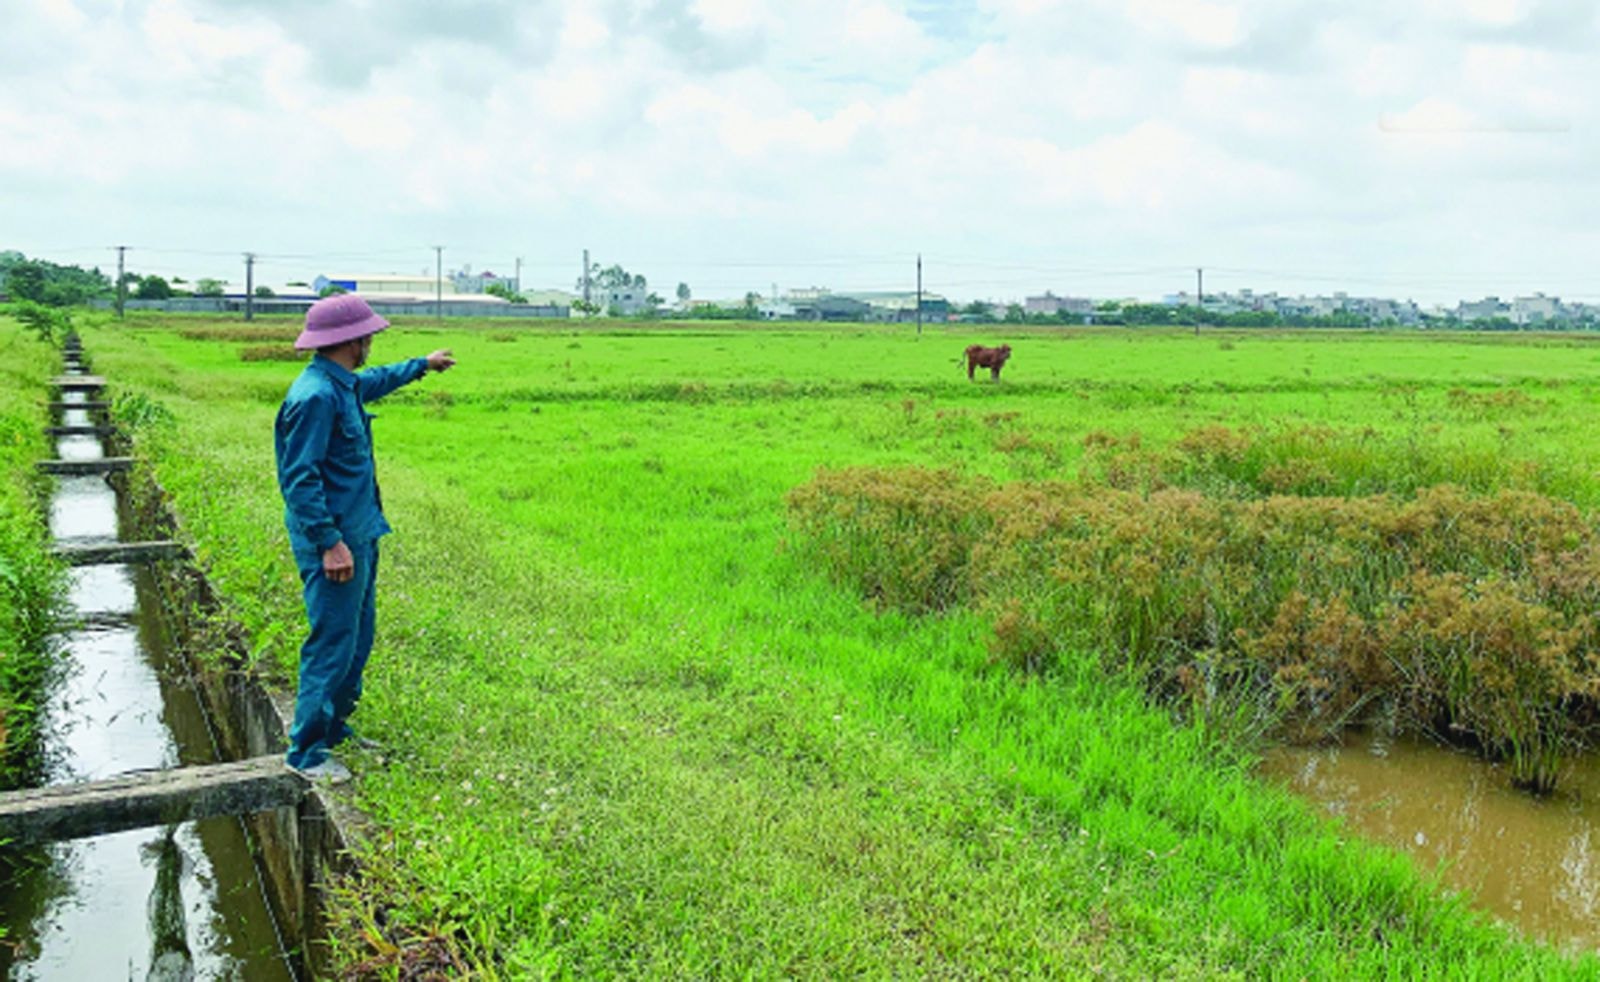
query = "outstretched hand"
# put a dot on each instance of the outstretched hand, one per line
(440, 360)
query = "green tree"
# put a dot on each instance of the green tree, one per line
(153, 287)
(265, 292)
(25, 281)
(208, 287)
(613, 277)
(50, 283)
(683, 293)
(504, 292)
(332, 290)
(47, 322)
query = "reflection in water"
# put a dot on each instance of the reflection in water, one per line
(169, 929)
(1528, 860)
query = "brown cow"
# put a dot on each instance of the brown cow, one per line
(993, 359)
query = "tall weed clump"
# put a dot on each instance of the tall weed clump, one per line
(31, 582)
(1464, 615)
(1314, 460)
(903, 537)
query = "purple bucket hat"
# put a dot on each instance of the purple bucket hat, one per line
(337, 319)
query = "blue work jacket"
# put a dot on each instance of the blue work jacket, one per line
(323, 438)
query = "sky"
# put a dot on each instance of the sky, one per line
(1431, 149)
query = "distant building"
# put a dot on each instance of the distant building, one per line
(831, 307)
(777, 310)
(466, 281)
(1484, 309)
(621, 301)
(1049, 305)
(1581, 311)
(385, 284)
(902, 307)
(1535, 310)
(1398, 311)
(401, 288)
(821, 303)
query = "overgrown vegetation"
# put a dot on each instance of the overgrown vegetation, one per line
(31, 583)
(1469, 617)
(49, 324)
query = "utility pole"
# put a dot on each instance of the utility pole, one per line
(586, 282)
(919, 294)
(249, 286)
(438, 282)
(122, 288)
(1200, 297)
(518, 278)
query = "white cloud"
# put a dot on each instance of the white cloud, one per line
(1145, 133)
(583, 31)
(879, 24)
(1209, 24)
(63, 14)
(729, 16)
(1496, 13)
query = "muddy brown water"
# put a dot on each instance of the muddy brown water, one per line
(1531, 861)
(162, 903)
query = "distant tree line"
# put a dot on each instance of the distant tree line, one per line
(44, 282)
(55, 285)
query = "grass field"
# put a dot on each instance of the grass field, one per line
(637, 731)
(31, 585)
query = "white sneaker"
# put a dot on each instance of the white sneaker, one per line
(330, 770)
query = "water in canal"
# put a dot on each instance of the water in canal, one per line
(160, 903)
(1531, 861)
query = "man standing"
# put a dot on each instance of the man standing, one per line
(334, 512)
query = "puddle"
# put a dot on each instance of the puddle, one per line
(1532, 862)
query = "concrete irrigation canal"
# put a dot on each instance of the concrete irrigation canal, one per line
(133, 859)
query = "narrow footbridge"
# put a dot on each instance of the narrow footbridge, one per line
(91, 554)
(84, 468)
(148, 798)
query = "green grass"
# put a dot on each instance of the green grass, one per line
(637, 735)
(30, 582)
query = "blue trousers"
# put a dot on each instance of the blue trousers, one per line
(342, 617)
